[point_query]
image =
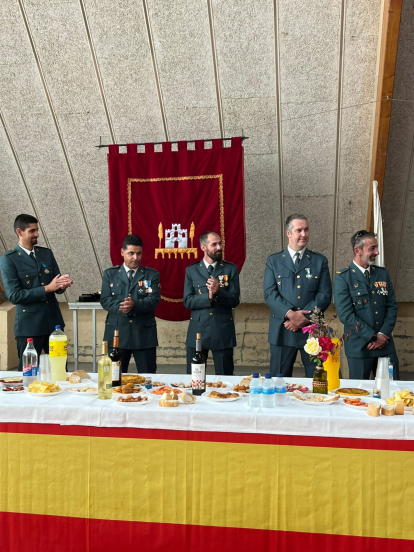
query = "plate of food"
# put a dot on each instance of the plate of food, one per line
(405, 396)
(128, 389)
(158, 383)
(43, 389)
(11, 381)
(158, 393)
(218, 385)
(132, 400)
(314, 399)
(359, 403)
(133, 378)
(84, 391)
(186, 387)
(218, 396)
(350, 392)
(13, 389)
(290, 387)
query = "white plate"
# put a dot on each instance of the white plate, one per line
(333, 392)
(207, 396)
(83, 383)
(311, 403)
(290, 393)
(366, 400)
(225, 389)
(11, 392)
(184, 389)
(43, 394)
(115, 399)
(84, 393)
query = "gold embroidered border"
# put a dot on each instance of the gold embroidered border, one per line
(180, 178)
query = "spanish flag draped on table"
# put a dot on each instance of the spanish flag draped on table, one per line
(169, 198)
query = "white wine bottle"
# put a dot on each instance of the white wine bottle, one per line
(104, 374)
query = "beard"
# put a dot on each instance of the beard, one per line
(370, 260)
(215, 255)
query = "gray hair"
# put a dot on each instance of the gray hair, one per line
(358, 239)
(291, 218)
(204, 237)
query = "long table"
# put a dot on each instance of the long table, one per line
(80, 474)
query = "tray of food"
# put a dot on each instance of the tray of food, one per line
(128, 389)
(358, 403)
(217, 396)
(132, 378)
(350, 392)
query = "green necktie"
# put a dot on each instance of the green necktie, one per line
(366, 274)
(210, 270)
(130, 276)
(297, 260)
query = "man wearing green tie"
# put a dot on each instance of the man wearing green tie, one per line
(366, 306)
(130, 293)
(211, 291)
(31, 278)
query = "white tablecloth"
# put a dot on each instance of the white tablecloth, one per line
(237, 417)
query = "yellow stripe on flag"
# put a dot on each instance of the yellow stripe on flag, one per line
(288, 488)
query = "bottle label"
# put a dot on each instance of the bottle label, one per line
(108, 386)
(320, 384)
(376, 393)
(269, 390)
(30, 370)
(198, 376)
(106, 368)
(116, 368)
(255, 390)
(280, 390)
(58, 348)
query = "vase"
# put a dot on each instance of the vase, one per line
(331, 365)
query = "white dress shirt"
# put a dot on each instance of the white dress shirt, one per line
(292, 253)
(362, 269)
(206, 264)
(128, 269)
(27, 250)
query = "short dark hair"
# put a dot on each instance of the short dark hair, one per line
(291, 218)
(23, 221)
(358, 239)
(204, 236)
(132, 239)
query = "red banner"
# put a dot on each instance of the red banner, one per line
(169, 199)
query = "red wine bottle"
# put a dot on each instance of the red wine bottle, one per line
(115, 357)
(198, 369)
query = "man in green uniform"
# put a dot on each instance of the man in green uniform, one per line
(130, 293)
(31, 278)
(296, 281)
(366, 306)
(211, 291)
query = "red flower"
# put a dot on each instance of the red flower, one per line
(323, 356)
(326, 344)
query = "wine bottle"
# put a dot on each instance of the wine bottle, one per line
(320, 381)
(104, 374)
(115, 357)
(198, 369)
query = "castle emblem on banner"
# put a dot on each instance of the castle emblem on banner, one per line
(176, 242)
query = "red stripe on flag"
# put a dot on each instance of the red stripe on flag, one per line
(210, 436)
(32, 533)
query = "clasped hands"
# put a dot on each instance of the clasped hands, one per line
(380, 342)
(213, 287)
(297, 320)
(59, 282)
(127, 305)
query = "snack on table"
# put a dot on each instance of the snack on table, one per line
(78, 375)
(132, 378)
(16, 379)
(387, 410)
(374, 409)
(165, 389)
(43, 387)
(352, 392)
(157, 383)
(169, 399)
(399, 408)
(181, 384)
(241, 388)
(131, 399)
(315, 397)
(15, 388)
(356, 401)
(187, 398)
(218, 395)
(127, 388)
(290, 387)
(404, 396)
(216, 384)
(84, 389)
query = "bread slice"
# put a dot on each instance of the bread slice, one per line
(78, 375)
(168, 403)
(187, 398)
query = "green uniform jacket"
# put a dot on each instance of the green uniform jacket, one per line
(214, 320)
(138, 328)
(286, 288)
(37, 312)
(370, 305)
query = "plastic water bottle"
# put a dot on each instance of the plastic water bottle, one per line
(255, 393)
(58, 355)
(29, 363)
(281, 397)
(268, 393)
(390, 369)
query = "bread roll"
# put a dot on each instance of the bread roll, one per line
(374, 409)
(78, 375)
(168, 403)
(387, 410)
(186, 398)
(399, 408)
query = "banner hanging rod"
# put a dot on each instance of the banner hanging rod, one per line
(100, 145)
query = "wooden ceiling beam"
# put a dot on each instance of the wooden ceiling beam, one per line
(390, 28)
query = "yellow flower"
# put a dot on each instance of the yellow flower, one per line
(312, 346)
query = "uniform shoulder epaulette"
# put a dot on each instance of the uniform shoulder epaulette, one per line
(10, 251)
(227, 262)
(314, 252)
(342, 270)
(197, 262)
(376, 266)
(112, 267)
(149, 268)
(41, 247)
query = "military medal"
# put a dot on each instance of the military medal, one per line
(199, 292)
(355, 285)
(221, 280)
(226, 280)
(148, 286)
(140, 287)
(308, 273)
(46, 270)
(381, 288)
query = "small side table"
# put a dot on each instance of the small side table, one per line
(76, 306)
